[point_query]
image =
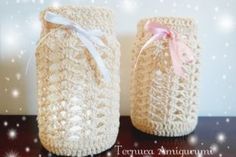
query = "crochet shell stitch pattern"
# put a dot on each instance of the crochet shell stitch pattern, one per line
(78, 112)
(163, 103)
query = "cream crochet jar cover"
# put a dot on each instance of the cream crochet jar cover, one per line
(78, 111)
(163, 103)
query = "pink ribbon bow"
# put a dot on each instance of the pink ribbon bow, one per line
(176, 47)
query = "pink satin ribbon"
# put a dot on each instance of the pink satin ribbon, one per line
(176, 47)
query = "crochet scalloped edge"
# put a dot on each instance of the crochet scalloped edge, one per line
(94, 11)
(60, 149)
(183, 128)
(177, 21)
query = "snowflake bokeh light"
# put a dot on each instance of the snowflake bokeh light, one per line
(136, 144)
(221, 137)
(224, 77)
(129, 5)
(15, 93)
(23, 118)
(199, 155)
(11, 154)
(18, 76)
(27, 149)
(227, 120)
(35, 23)
(214, 147)
(216, 9)
(226, 23)
(109, 154)
(35, 140)
(193, 140)
(56, 4)
(12, 134)
(5, 123)
(10, 39)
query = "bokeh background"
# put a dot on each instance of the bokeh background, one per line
(20, 29)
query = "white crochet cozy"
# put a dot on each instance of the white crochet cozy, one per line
(163, 103)
(78, 111)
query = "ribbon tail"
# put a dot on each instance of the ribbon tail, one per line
(97, 41)
(86, 37)
(183, 48)
(96, 32)
(58, 19)
(28, 63)
(92, 50)
(93, 36)
(176, 62)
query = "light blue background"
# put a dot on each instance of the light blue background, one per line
(20, 30)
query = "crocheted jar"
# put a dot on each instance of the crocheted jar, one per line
(78, 111)
(163, 103)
